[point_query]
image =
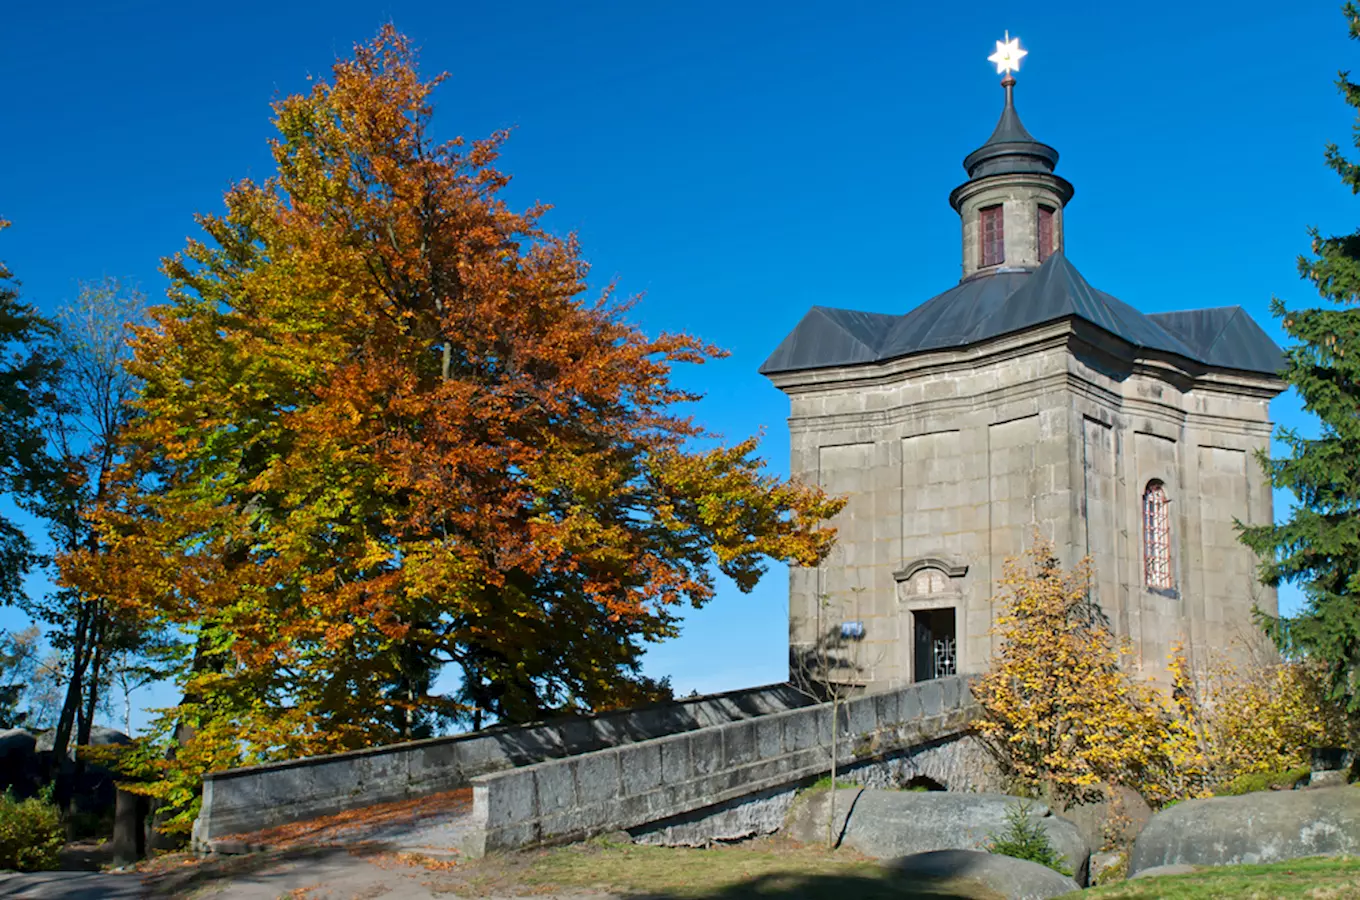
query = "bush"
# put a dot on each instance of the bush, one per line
(31, 833)
(1025, 838)
(1262, 717)
(1060, 711)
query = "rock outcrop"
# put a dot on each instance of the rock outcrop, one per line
(977, 873)
(893, 824)
(1264, 827)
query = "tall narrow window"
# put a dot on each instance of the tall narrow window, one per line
(1045, 233)
(993, 243)
(1156, 536)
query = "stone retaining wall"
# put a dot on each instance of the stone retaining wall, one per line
(257, 797)
(651, 781)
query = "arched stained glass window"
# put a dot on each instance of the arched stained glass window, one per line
(1156, 536)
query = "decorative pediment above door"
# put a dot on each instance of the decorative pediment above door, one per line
(930, 581)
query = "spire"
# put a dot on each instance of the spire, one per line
(1011, 148)
(1011, 206)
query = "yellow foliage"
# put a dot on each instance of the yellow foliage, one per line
(1060, 711)
(1258, 717)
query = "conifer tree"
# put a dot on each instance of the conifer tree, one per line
(1318, 548)
(27, 368)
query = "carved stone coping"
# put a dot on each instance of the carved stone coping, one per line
(930, 562)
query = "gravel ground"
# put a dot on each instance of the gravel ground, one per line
(361, 854)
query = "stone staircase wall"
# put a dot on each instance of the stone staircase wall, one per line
(257, 797)
(651, 781)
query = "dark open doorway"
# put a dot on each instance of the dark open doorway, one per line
(936, 645)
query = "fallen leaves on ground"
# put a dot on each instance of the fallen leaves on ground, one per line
(349, 824)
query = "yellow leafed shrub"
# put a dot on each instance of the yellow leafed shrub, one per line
(31, 834)
(1060, 711)
(1257, 718)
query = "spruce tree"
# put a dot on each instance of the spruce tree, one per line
(1318, 548)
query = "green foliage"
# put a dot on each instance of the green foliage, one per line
(27, 367)
(1318, 548)
(1262, 781)
(18, 658)
(824, 783)
(31, 833)
(1024, 837)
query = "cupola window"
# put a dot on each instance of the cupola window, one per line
(1157, 537)
(1045, 232)
(993, 244)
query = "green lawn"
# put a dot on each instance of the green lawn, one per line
(774, 869)
(1319, 878)
(754, 869)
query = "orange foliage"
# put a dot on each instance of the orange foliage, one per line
(356, 825)
(383, 429)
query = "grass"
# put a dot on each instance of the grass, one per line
(753, 869)
(770, 869)
(824, 782)
(1319, 878)
(767, 869)
(1262, 781)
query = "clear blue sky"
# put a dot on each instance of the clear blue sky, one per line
(737, 162)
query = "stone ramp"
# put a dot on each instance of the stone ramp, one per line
(260, 797)
(710, 770)
(432, 825)
(685, 777)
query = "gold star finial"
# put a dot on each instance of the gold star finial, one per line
(1007, 55)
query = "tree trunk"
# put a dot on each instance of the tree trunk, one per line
(86, 719)
(92, 690)
(129, 828)
(71, 709)
(831, 804)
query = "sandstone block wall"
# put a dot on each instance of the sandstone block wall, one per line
(652, 781)
(257, 797)
(956, 457)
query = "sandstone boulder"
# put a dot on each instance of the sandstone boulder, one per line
(1264, 827)
(20, 768)
(893, 824)
(1117, 818)
(99, 737)
(974, 873)
(807, 819)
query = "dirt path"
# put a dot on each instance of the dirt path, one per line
(435, 824)
(407, 850)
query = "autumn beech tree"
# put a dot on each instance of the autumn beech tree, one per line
(384, 429)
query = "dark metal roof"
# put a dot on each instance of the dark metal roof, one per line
(1224, 336)
(1011, 148)
(1005, 302)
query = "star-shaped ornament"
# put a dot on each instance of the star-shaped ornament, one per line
(1007, 55)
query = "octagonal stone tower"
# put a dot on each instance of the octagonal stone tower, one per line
(1024, 398)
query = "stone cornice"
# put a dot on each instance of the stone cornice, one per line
(1060, 187)
(1058, 382)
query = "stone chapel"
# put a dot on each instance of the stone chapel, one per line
(1025, 397)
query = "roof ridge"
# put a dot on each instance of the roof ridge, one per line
(871, 346)
(1237, 313)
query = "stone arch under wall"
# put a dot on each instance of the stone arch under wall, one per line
(930, 599)
(957, 763)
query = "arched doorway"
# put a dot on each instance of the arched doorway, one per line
(931, 595)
